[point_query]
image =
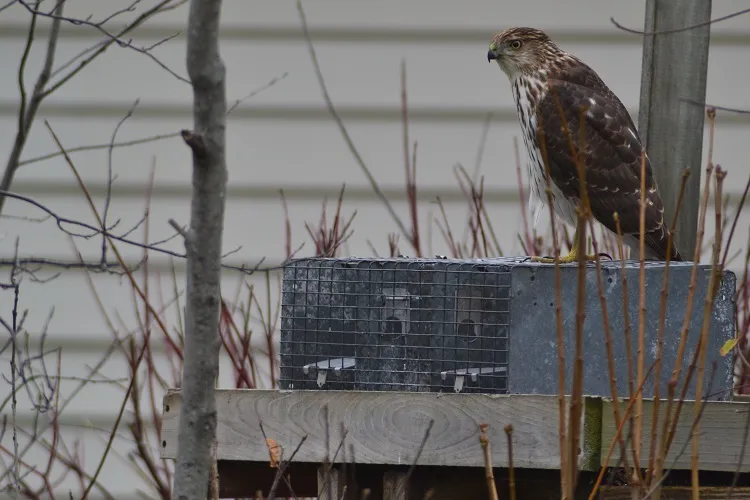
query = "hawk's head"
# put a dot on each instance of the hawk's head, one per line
(522, 51)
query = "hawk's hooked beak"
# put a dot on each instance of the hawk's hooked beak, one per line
(492, 53)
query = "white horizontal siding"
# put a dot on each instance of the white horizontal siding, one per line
(443, 74)
(582, 15)
(255, 225)
(115, 476)
(290, 153)
(277, 154)
(97, 403)
(284, 138)
(285, 134)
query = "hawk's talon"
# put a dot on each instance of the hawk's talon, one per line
(547, 259)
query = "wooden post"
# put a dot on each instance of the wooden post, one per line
(674, 67)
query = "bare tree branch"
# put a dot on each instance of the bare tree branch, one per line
(99, 26)
(154, 138)
(257, 91)
(197, 425)
(95, 147)
(30, 105)
(7, 5)
(107, 231)
(163, 6)
(110, 178)
(722, 108)
(678, 30)
(13, 330)
(26, 114)
(352, 148)
(153, 246)
(24, 263)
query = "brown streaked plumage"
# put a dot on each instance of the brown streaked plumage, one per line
(538, 70)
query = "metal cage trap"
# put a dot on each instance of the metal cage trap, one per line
(433, 325)
(395, 325)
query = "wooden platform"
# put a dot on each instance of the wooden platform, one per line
(384, 430)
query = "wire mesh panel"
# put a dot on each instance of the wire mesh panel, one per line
(395, 324)
(490, 325)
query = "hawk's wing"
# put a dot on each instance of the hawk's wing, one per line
(611, 157)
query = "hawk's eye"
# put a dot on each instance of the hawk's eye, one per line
(515, 44)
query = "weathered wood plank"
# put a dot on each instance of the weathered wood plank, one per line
(388, 427)
(721, 434)
(677, 493)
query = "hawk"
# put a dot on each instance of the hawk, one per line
(538, 71)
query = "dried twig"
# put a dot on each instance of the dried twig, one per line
(342, 128)
(734, 224)
(657, 454)
(99, 26)
(716, 107)
(405, 482)
(140, 293)
(713, 287)
(628, 341)
(583, 212)
(511, 471)
(696, 260)
(608, 344)
(96, 147)
(488, 471)
(14, 330)
(410, 168)
(283, 466)
(738, 470)
(110, 177)
(558, 313)
(61, 221)
(28, 109)
(678, 30)
(641, 352)
(146, 140)
(691, 435)
(101, 47)
(605, 462)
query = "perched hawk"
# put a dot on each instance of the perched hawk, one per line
(611, 148)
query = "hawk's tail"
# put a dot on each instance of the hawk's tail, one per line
(656, 243)
(674, 254)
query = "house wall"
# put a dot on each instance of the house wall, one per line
(284, 138)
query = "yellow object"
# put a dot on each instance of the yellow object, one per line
(728, 346)
(571, 257)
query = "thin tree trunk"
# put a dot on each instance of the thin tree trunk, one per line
(203, 242)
